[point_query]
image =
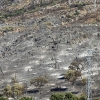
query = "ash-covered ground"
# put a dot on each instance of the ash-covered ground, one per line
(43, 46)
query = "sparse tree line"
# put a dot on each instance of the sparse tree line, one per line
(74, 72)
(16, 89)
(58, 96)
(69, 96)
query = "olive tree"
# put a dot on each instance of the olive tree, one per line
(83, 97)
(70, 96)
(17, 89)
(7, 90)
(72, 75)
(57, 96)
(38, 81)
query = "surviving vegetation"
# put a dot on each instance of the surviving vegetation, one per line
(49, 49)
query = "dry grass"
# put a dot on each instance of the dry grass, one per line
(90, 18)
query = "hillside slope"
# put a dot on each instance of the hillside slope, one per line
(45, 40)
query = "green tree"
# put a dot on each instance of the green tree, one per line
(7, 90)
(72, 75)
(57, 96)
(82, 97)
(70, 96)
(75, 98)
(38, 81)
(17, 89)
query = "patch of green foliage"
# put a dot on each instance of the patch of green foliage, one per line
(67, 96)
(26, 98)
(57, 96)
(2, 98)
